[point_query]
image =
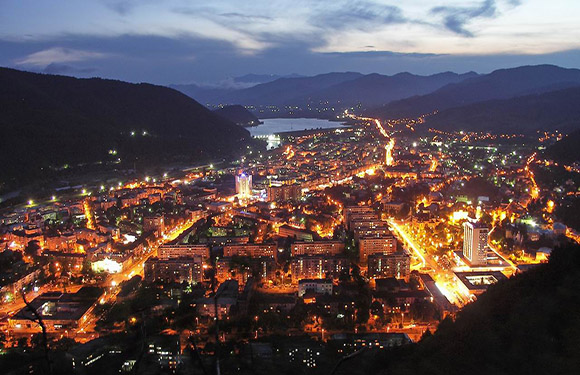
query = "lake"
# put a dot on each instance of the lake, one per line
(280, 125)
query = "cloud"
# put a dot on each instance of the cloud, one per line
(359, 14)
(125, 7)
(455, 18)
(58, 55)
(246, 17)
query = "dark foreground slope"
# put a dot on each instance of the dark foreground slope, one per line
(48, 122)
(238, 115)
(566, 150)
(529, 324)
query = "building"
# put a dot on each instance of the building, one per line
(154, 223)
(475, 283)
(282, 193)
(362, 231)
(174, 270)
(251, 250)
(318, 267)
(475, 243)
(376, 245)
(317, 248)
(58, 310)
(241, 269)
(348, 211)
(396, 265)
(244, 185)
(227, 297)
(183, 251)
(318, 286)
(297, 233)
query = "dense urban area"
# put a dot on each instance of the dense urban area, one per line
(359, 237)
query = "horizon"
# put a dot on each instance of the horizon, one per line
(177, 42)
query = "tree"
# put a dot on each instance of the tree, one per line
(32, 249)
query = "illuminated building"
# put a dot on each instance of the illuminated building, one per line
(357, 213)
(58, 310)
(369, 232)
(318, 267)
(183, 251)
(299, 234)
(282, 193)
(475, 283)
(318, 286)
(244, 185)
(251, 250)
(317, 248)
(396, 265)
(174, 270)
(154, 223)
(227, 268)
(475, 243)
(376, 245)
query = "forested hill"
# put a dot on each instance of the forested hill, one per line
(48, 122)
(239, 115)
(555, 110)
(566, 150)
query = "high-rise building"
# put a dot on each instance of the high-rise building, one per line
(396, 265)
(174, 269)
(376, 245)
(244, 185)
(282, 193)
(475, 243)
(318, 267)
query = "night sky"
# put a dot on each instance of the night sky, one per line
(172, 41)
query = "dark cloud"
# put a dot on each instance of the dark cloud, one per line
(246, 17)
(359, 14)
(455, 18)
(124, 7)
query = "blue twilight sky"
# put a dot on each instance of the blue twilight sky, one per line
(178, 41)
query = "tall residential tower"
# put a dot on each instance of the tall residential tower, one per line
(475, 243)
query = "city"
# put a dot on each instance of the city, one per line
(291, 187)
(365, 230)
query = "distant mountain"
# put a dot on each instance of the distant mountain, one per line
(566, 150)
(255, 79)
(205, 95)
(50, 121)
(376, 89)
(213, 95)
(238, 115)
(286, 90)
(341, 90)
(500, 84)
(557, 110)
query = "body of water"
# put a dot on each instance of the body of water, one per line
(272, 126)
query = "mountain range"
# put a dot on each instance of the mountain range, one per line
(49, 122)
(524, 99)
(500, 84)
(336, 89)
